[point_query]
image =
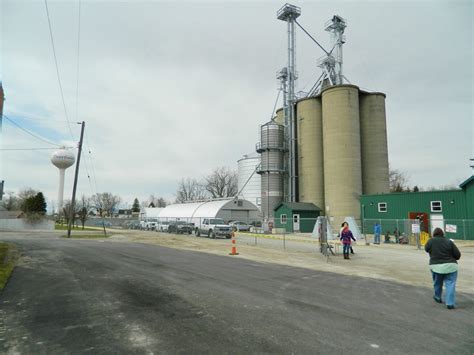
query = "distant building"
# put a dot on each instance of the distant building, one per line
(296, 216)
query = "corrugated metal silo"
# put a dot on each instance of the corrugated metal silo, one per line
(374, 152)
(341, 149)
(248, 181)
(310, 151)
(272, 149)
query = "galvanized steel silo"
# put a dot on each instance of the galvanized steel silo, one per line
(272, 149)
(341, 149)
(374, 152)
(310, 151)
(280, 116)
(248, 180)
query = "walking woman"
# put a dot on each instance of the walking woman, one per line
(346, 237)
(444, 266)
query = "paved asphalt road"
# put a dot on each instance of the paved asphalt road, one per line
(85, 296)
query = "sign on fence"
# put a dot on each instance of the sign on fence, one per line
(451, 228)
(415, 228)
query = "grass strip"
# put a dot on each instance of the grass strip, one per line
(8, 257)
(87, 236)
(63, 227)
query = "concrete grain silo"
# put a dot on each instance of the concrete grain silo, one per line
(373, 137)
(341, 150)
(310, 151)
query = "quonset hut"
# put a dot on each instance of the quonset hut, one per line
(227, 209)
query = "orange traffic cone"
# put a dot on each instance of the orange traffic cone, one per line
(234, 247)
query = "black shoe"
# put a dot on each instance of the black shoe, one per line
(450, 307)
(439, 300)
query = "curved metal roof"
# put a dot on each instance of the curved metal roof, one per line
(201, 209)
(194, 209)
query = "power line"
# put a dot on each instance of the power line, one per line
(8, 149)
(30, 133)
(77, 59)
(57, 67)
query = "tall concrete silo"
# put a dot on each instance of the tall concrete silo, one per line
(272, 149)
(249, 182)
(309, 118)
(373, 138)
(341, 149)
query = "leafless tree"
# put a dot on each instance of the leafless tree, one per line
(156, 201)
(11, 202)
(190, 190)
(24, 194)
(398, 181)
(222, 182)
(105, 202)
(85, 207)
(66, 212)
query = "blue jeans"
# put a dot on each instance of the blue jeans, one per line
(450, 283)
(346, 248)
(377, 238)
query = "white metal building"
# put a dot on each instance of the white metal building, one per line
(150, 213)
(227, 209)
(248, 181)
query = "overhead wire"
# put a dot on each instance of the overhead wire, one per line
(57, 68)
(31, 133)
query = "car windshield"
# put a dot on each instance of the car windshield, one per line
(216, 221)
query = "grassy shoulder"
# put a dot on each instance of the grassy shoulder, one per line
(63, 227)
(88, 236)
(8, 257)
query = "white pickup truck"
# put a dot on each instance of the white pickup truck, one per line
(213, 227)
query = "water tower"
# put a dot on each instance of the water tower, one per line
(62, 159)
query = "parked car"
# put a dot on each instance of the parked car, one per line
(163, 226)
(213, 227)
(134, 225)
(150, 226)
(180, 227)
(240, 226)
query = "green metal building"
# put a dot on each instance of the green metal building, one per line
(296, 216)
(453, 210)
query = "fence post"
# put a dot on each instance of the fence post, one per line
(464, 228)
(284, 241)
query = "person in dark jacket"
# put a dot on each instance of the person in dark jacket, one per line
(346, 237)
(444, 266)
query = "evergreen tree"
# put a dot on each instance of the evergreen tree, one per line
(136, 205)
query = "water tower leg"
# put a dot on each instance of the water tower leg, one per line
(61, 190)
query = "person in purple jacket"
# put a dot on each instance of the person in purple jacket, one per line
(346, 238)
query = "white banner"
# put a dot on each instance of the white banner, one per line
(451, 228)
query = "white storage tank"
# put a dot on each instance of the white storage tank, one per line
(248, 181)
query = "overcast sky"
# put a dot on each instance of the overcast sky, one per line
(170, 90)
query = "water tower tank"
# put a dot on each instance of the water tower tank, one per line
(63, 158)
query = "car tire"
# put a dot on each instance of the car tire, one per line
(211, 234)
(228, 236)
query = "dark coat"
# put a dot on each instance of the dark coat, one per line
(442, 251)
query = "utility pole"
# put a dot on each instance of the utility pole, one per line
(73, 200)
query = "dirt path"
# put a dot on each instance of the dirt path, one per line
(399, 263)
